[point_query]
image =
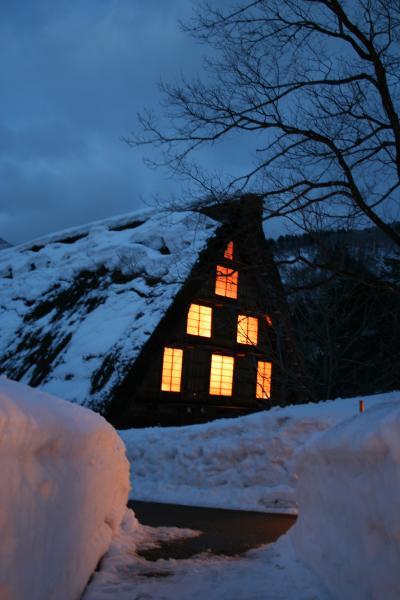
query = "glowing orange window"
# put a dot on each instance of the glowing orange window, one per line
(172, 370)
(229, 251)
(199, 320)
(264, 372)
(247, 330)
(226, 283)
(221, 376)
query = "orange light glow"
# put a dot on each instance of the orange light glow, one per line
(229, 251)
(221, 376)
(264, 372)
(247, 330)
(172, 370)
(199, 320)
(226, 283)
(269, 320)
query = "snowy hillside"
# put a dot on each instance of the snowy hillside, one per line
(76, 307)
(367, 246)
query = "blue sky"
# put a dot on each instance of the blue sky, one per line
(74, 76)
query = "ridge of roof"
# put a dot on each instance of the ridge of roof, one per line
(107, 222)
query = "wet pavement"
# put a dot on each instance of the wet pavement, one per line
(227, 532)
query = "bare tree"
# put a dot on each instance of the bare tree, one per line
(316, 85)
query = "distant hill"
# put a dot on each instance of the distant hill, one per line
(343, 249)
(371, 237)
(347, 315)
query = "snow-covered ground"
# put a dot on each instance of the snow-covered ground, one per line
(243, 463)
(64, 487)
(345, 467)
(270, 573)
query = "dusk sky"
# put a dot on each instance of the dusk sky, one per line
(74, 76)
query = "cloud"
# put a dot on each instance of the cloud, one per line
(75, 75)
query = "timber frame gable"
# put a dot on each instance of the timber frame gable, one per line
(226, 346)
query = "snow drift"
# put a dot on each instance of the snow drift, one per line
(348, 530)
(244, 463)
(62, 496)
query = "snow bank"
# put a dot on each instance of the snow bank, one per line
(64, 486)
(271, 573)
(243, 463)
(348, 530)
(346, 539)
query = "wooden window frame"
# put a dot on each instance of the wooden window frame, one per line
(172, 358)
(227, 282)
(199, 320)
(229, 250)
(246, 327)
(264, 374)
(216, 380)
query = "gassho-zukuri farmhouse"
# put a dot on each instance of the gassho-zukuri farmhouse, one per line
(155, 317)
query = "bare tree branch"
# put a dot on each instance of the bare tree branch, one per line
(316, 83)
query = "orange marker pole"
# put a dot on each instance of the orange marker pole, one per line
(361, 404)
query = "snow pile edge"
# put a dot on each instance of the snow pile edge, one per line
(65, 483)
(348, 530)
(244, 463)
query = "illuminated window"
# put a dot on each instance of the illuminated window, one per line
(264, 370)
(247, 330)
(221, 376)
(199, 320)
(226, 283)
(171, 370)
(269, 320)
(229, 251)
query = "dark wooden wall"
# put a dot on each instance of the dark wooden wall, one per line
(147, 404)
(139, 400)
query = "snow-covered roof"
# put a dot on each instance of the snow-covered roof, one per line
(75, 302)
(4, 244)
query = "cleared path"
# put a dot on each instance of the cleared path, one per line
(228, 532)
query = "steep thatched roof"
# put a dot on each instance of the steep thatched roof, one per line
(76, 307)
